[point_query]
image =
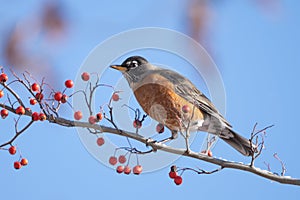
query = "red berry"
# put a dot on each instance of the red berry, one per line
(69, 83)
(99, 116)
(120, 169)
(17, 165)
(35, 116)
(137, 169)
(32, 101)
(24, 162)
(4, 113)
(35, 87)
(122, 159)
(85, 76)
(1, 93)
(64, 98)
(20, 110)
(42, 117)
(39, 96)
(58, 96)
(137, 123)
(3, 77)
(172, 174)
(92, 119)
(100, 141)
(178, 180)
(127, 170)
(113, 160)
(115, 97)
(209, 153)
(78, 115)
(12, 150)
(185, 109)
(160, 128)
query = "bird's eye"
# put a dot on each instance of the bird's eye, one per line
(132, 64)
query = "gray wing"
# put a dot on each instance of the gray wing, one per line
(188, 91)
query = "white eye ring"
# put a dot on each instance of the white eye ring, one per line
(133, 63)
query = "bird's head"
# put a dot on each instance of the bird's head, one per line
(134, 68)
(130, 63)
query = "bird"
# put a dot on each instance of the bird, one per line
(174, 101)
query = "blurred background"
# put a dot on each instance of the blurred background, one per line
(254, 43)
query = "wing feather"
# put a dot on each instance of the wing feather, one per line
(188, 91)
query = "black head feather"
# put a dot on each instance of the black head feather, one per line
(134, 61)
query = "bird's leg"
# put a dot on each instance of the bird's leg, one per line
(187, 136)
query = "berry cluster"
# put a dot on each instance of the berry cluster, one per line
(38, 116)
(39, 96)
(113, 160)
(60, 96)
(21, 162)
(92, 119)
(20, 110)
(85, 76)
(173, 175)
(36, 90)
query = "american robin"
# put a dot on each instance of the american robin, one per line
(173, 100)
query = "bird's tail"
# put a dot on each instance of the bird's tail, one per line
(238, 142)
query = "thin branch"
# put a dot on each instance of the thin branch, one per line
(135, 150)
(283, 168)
(200, 171)
(18, 133)
(258, 146)
(14, 94)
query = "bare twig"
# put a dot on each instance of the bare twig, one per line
(258, 146)
(268, 166)
(200, 171)
(18, 133)
(135, 150)
(13, 93)
(283, 168)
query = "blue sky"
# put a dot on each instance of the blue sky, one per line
(258, 57)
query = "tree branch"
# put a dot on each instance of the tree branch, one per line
(192, 154)
(155, 145)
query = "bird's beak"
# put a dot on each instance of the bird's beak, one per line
(119, 67)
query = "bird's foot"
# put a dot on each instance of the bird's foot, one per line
(188, 150)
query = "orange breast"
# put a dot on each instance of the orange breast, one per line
(161, 103)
